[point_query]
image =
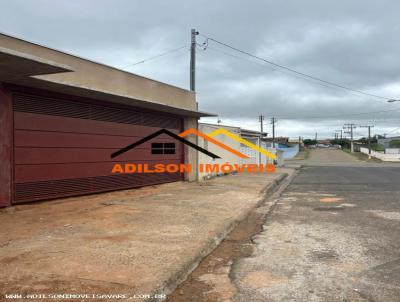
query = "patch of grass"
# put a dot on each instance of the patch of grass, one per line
(362, 156)
(395, 143)
(307, 154)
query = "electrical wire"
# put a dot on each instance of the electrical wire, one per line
(261, 65)
(156, 56)
(393, 130)
(306, 117)
(338, 115)
(299, 118)
(308, 76)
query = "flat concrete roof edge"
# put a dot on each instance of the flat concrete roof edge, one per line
(216, 125)
(120, 99)
(93, 61)
(35, 58)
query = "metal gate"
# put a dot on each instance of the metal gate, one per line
(62, 147)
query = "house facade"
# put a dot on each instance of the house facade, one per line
(62, 116)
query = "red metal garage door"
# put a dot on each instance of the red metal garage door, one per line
(63, 147)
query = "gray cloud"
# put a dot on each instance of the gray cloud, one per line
(349, 42)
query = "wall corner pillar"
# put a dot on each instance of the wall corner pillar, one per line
(192, 155)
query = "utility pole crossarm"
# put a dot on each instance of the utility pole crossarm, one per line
(351, 127)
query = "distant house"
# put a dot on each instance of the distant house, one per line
(252, 136)
(226, 156)
(255, 137)
(386, 141)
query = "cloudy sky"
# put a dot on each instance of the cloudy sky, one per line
(352, 43)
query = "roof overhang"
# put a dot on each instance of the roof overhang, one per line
(17, 65)
(21, 69)
(252, 133)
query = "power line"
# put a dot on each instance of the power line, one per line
(295, 118)
(338, 115)
(393, 130)
(262, 65)
(156, 56)
(295, 71)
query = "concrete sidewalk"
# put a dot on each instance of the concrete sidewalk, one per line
(133, 242)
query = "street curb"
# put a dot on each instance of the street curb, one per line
(172, 283)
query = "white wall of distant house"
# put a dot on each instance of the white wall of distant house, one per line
(383, 156)
(226, 156)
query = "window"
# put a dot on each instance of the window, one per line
(163, 148)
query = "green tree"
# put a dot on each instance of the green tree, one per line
(342, 142)
(309, 142)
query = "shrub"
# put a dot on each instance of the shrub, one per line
(395, 143)
(308, 142)
(377, 147)
(342, 142)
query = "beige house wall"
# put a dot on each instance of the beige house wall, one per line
(100, 77)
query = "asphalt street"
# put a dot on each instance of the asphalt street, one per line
(333, 235)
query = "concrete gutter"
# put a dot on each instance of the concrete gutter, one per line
(178, 277)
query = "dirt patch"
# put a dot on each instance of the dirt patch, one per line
(260, 279)
(210, 280)
(111, 238)
(330, 199)
(51, 284)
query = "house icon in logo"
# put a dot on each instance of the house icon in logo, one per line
(162, 148)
